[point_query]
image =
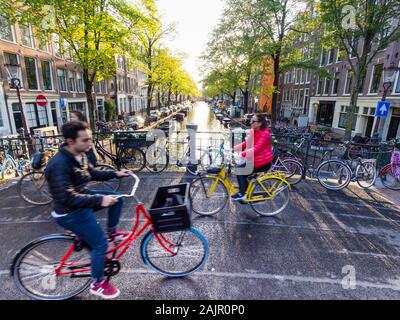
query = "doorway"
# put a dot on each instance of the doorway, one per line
(370, 124)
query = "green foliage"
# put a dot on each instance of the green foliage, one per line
(111, 110)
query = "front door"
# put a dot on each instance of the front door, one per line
(325, 113)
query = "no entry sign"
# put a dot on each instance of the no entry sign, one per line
(41, 100)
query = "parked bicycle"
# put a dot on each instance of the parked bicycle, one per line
(13, 167)
(57, 266)
(390, 174)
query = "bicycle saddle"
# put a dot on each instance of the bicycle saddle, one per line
(213, 170)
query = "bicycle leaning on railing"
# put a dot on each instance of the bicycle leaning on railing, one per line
(390, 174)
(57, 266)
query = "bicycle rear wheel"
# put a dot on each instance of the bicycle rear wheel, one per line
(33, 188)
(208, 195)
(334, 175)
(274, 194)
(388, 179)
(34, 268)
(133, 159)
(157, 159)
(190, 252)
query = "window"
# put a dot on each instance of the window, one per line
(376, 78)
(68, 51)
(72, 81)
(349, 82)
(6, 30)
(43, 43)
(308, 76)
(339, 55)
(336, 83)
(13, 59)
(98, 86)
(397, 88)
(343, 120)
(303, 76)
(26, 35)
(81, 86)
(58, 48)
(30, 66)
(319, 86)
(354, 47)
(383, 35)
(327, 85)
(331, 55)
(46, 74)
(105, 85)
(323, 58)
(62, 79)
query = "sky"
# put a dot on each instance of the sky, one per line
(194, 20)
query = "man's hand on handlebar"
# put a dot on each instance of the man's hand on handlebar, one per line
(108, 201)
(124, 173)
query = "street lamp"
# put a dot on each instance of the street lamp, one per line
(15, 83)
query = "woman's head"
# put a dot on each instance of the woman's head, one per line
(259, 121)
(77, 115)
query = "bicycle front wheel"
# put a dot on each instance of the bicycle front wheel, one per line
(333, 175)
(33, 188)
(273, 195)
(34, 269)
(366, 174)
(188, 252)
(208, 195)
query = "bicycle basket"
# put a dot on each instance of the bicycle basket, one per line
(170, 210)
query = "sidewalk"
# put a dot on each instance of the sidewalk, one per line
(391, 195)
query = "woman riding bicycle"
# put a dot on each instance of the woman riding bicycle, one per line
(257, 151)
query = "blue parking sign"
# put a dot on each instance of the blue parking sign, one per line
(382, 110)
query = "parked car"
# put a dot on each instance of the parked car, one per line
(165, 112)
(136, 122)
(247, 118)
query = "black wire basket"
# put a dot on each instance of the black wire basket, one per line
(170, 210)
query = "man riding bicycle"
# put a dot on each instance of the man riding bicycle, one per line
(67, 175)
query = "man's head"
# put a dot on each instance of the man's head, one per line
(78, 136)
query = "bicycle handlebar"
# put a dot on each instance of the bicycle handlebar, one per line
(132, 194)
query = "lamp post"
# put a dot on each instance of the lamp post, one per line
(389, 78)
(15, 83)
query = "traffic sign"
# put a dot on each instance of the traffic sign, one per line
(382, 109)
(41, 100)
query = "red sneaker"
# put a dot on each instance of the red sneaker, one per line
(104, 289)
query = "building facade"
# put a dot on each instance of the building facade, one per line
(46, 68)
(325, 100)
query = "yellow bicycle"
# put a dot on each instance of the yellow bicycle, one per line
(267, 193)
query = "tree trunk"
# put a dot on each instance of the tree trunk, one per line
(276, 59)
(246, 101)
(90, 101)
(149, 98)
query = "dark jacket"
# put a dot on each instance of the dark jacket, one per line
(67, 180)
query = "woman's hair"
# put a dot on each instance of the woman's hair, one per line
(80, 115)
(263, 120)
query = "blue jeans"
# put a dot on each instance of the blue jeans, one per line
(242, 179)
(83, 223)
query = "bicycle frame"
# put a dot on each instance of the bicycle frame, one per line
(80, 267)
(223, 178)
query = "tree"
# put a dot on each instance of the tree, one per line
(349, 21)
(90, 29)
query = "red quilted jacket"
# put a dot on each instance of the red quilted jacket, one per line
(257, 147)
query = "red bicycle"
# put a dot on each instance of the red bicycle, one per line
(390, 174)
(57, 266)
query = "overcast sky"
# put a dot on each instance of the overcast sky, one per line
(194, 22)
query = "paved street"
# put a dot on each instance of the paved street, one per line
(299, 254)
